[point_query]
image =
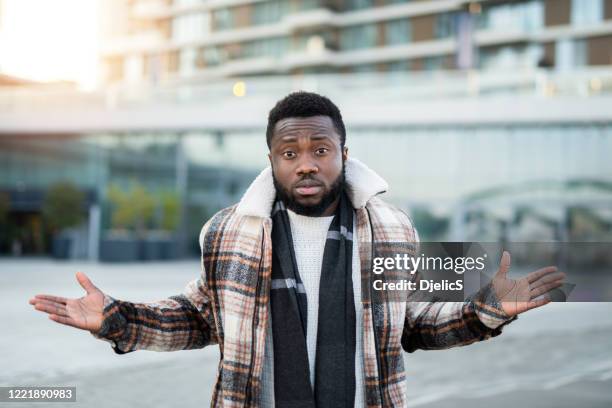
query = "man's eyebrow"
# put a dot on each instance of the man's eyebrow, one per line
(290, 138)
(320, 136)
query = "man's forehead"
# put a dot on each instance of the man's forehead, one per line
(288, 125)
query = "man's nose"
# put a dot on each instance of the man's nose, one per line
(307, 166)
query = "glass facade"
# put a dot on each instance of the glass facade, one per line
(267, 12)
(435, 167)
(445, 25)
(397, 32)
(400, 66)
(514, 17)
(267, 47)
(509, 31)
(259, 13)
(443, 163)
(350, 5)
(358, 37)
(510, 57)
(435, 63)
(586, 12)
(223, 19)
(570, 53)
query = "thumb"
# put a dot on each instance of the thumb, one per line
(504, 265)
(86, 283)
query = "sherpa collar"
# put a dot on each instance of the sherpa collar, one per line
(363, 183)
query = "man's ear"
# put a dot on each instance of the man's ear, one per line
(270, 158)
(344, 154)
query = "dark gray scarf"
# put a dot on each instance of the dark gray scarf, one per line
(335, 354)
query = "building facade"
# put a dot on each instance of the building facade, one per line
(186, 40)
(488, 118)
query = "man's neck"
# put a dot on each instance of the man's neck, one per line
(296, 216)
(331, 210)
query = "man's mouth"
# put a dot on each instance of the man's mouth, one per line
(308, 188)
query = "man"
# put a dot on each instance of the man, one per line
(286, 283)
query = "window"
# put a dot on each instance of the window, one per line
(509, 57)
(397, 32)
(223, 19)
(266, 12)
(587, 11)
(570, 54)
(356, 37)
(445, 25)
(358, 4)
(308, 5)
(271, 47)
(395, 66)
(213, 56)
(433, 63)
(364, 68)
(191, 26)
(528, 16)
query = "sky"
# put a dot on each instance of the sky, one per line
(48, 40)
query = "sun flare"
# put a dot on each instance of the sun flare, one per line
(50, 40)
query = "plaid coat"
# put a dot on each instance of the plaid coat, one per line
(227, 304)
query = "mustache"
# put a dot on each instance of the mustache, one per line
(308, 181)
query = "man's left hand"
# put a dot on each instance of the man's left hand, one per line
(520, 295)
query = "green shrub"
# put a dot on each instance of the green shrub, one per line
(63, 206)
(135, 209)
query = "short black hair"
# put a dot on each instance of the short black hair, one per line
(302, 104)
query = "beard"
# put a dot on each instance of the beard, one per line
(315, 210)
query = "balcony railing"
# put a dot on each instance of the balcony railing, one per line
(401, 85)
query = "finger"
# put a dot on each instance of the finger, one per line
(504, 265)
(64, 320)
(51, 309)
(35, 302)
(52, 302)
(533, 276)
(551, 277)
(86, 283)
(544, 288)
(538, 302)
(50, 297)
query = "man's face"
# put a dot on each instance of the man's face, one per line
(308, 164)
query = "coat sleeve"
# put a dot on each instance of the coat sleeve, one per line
(435, 324)
(180, 322)
(438, 325)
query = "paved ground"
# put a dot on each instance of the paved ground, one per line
(555, 357)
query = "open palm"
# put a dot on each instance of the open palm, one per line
(83, 313)
(520, 295)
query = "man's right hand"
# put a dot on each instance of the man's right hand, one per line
(83, 313)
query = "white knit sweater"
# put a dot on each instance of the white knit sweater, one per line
(309, 235)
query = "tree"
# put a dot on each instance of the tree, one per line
(133, 209)
(63, 206)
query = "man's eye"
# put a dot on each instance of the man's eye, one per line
(289, 154)
(322, 150)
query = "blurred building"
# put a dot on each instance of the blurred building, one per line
(187, 40)
(490, 120)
